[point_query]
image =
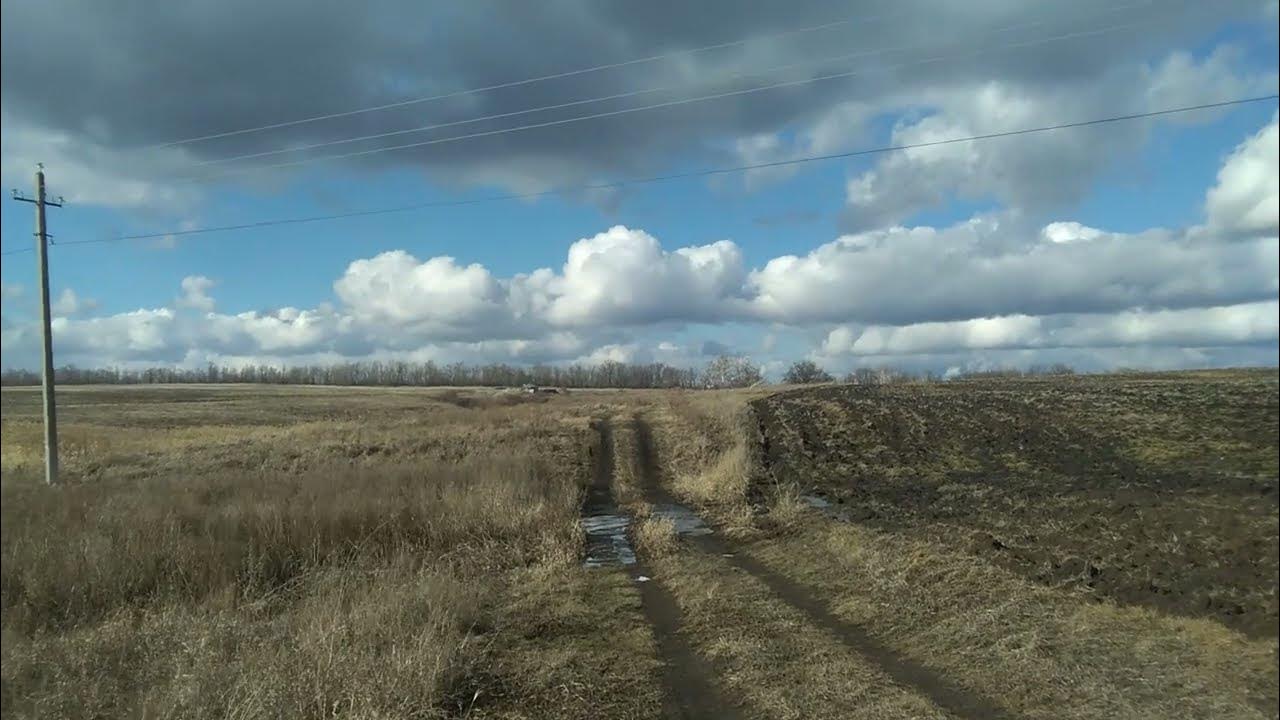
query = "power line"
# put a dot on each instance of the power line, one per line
(654, 106)
(646, 91)
(517, 83)
(683, 175)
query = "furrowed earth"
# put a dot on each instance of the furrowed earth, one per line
(1157, 490)
(1054, 547)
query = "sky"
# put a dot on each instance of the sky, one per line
(1145, 243)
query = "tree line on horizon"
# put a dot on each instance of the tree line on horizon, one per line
(722, 372)
(384, 373)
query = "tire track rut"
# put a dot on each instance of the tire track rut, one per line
(902, 670)
(688, 691)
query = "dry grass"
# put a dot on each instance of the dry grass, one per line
(77, 553)
(786, 511)
(708, 454)
(653, 537)
(309, 552)
(571, 645)
(241, 554)
(354, 643)
(1043, 653)
(628, 486)
(764, 653)
(656, 537)
(768, 654)
(125, 433)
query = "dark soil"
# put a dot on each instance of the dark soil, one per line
(1156, 490)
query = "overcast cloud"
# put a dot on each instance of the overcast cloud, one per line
(134, 75)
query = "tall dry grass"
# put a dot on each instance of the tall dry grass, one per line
(372, 644)
(353, 574)
(709, 453)
(76, 553)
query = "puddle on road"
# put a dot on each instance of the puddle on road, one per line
(815, 502)
(607, 542)
(824, 506)
(607, 531)
(685, 520)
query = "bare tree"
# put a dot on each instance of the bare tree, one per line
(804, 372)
(728, 371)
(609, 374)
(876, 376)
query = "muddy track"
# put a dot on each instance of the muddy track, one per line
(903, 671)
(688, 691)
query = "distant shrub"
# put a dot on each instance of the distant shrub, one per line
(1014, 372)
(806, 371)
(877, 376)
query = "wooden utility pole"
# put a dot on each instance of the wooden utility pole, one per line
(42, 259)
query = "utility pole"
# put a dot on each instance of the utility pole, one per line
(42, 259)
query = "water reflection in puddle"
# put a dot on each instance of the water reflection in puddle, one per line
(815, 502)
(607, 543)
(685, 520)
(825, 507)
(607, 532)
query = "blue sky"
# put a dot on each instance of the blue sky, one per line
(1122, 180)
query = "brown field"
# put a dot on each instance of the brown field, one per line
(1157, 491)
(1064, 547)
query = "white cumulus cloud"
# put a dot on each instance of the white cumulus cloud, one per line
(624, 276)
(437, 295)
(1246, 198)
(1243, 324)
(69, 303)
(1046, 170)
(195, 293)
(995, 265)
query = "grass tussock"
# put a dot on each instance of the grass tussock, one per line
(786, 510)
(656, 537)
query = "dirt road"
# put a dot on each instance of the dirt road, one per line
(688, 690)
(941, 692)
